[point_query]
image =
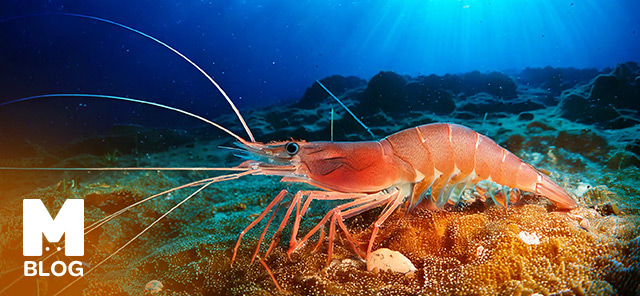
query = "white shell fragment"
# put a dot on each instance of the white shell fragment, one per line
(480, 251)
(385, 259)
(154, 286)
(529, 238)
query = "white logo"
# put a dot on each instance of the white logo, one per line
(38, 222)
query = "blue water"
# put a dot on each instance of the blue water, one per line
(266, 52)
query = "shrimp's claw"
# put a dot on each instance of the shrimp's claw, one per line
(560, 198)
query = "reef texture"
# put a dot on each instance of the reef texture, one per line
(474, 247)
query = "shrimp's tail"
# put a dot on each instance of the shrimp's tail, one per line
(546, 187)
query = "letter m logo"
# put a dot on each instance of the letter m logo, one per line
(37, 221)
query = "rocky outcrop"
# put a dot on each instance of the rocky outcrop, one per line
(556, 80)
(610, 100)
(390, 92)
(337, 84)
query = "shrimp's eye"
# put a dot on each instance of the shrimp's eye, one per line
(292, 148)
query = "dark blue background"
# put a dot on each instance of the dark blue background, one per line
(265, 52)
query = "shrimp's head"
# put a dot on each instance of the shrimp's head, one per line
(339, 166)
(270, 155)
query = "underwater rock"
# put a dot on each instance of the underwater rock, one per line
(555, 80)
(494, 83)
(280, 119)
(622, 160)
(633, 147)
(584, 142)
(337, 84)
(439, 101)
(483, 93)
(385, 259)
(546, 78)
(468, 84)
(390, 92)
(385, 91)
(526, 116)
(484, 103)
(612, 101)
(449, 82)
(629, 157)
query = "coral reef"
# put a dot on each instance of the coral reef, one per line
(477, 248)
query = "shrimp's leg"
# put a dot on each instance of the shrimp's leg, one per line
(338, 217)
(318, 195)
(324, 220)
(264, 212)
(255, 253)
(350, 238)
(332, 232)
(336, 214)
(392, 205)
(320, 240)
(294, 202)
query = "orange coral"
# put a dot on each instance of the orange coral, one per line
(478, 248)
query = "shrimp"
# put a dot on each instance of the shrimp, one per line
(397, 170)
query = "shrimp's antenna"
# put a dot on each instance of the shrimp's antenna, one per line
(124, 169)
(345, 107)
(130, 100)
(224, 94)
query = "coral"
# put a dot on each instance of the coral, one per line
(474, 249)
(110, 159)
(623, 271)
(598, 195)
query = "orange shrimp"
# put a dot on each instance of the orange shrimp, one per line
(396, 170)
